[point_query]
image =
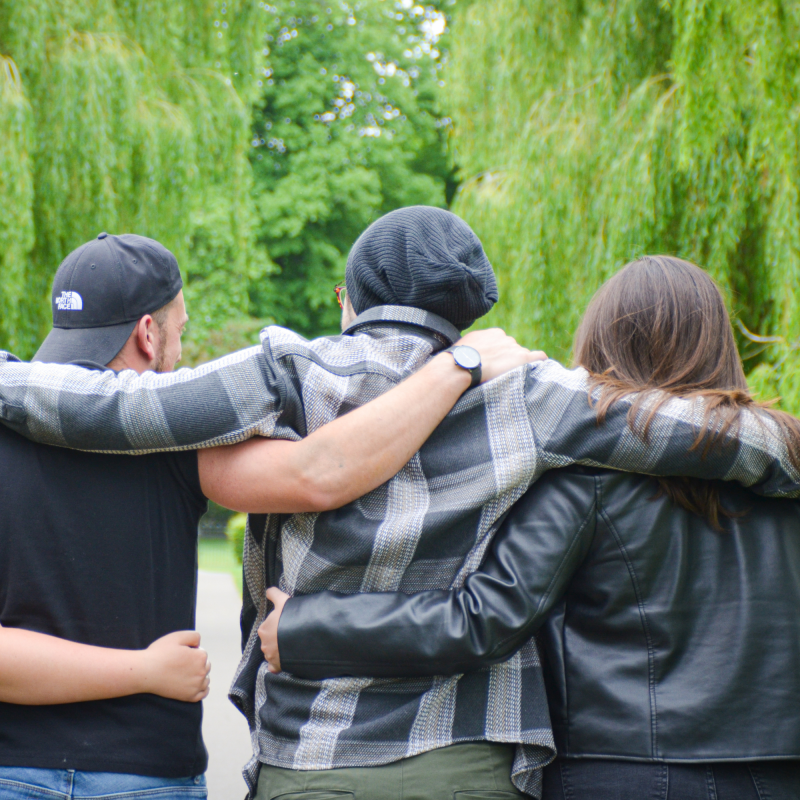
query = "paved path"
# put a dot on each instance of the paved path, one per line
(224, 728)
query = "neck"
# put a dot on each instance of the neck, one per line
(130, 358)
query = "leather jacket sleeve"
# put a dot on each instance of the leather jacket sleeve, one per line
(441, 632)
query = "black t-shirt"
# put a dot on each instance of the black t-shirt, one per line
(101, 550)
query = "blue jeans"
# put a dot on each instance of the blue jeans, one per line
(27, 783)
(586, 779)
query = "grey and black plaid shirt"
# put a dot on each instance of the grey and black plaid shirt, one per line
(427, 528)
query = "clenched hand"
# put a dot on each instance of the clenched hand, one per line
(268, 630)
(175, 666)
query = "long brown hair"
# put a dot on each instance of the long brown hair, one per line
(660, 325)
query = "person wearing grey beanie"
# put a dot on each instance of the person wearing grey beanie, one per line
(426, 258)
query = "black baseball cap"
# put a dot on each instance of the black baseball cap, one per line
(101, 290)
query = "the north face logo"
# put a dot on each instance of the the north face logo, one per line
(69, 301)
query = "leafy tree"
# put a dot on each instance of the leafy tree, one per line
(16, 191)
(593, 132)
(127, 116)
(349, 128)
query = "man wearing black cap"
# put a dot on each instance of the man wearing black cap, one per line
(103, 291)
(101, 549)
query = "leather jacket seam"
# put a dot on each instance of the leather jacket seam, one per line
(643, 617)
(590, 514)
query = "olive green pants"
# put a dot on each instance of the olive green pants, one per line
(477, 771)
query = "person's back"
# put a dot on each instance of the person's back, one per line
(100, 550)
(671, 640)
(666, 608)
(422, 529)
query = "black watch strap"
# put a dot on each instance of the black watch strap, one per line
(467, 358)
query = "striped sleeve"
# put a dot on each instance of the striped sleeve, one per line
(222, 402)
(566, 431)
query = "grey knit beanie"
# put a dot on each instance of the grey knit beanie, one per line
(422, 257)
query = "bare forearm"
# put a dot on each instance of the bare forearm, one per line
(36, 669)
(341, 461)
(357, 452)
(366, 447)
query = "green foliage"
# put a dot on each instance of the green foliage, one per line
(348, 129)
(16, 191)
(235, 531)
(589, 133)
(141, 114)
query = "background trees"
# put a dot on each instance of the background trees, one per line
(126, 116)
(253, 140)
(592, 132)
(346, 130)
(257, 140)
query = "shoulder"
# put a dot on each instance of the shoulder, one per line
(551, 372)
(574, 485)
(382, 350)
(599, 488)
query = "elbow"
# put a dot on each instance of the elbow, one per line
(314, 500)
(491, 628)
(321, 498)
(322, 490)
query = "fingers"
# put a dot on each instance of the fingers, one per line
(495, 340)
(206, 662)
(273, 594)
(494, 344)
(268, 630)
(199, 665)
(277, 597)
(500, 353)
(203, 678)
(175, 666)
(202, 693)
(186, 638)
(483, 338)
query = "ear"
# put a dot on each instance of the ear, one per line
(145, 337)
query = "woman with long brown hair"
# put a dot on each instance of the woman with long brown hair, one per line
(666, 610)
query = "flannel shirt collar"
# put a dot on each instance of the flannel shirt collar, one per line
(396, 316)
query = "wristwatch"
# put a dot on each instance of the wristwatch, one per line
(467, 358)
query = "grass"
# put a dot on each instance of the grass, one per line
(216, 555)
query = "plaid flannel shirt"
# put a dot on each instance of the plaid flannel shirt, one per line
(427, 528)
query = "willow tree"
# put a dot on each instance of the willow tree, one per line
(591, 132)
(126, 116)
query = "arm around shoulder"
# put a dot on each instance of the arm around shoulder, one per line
(530, 562)
(567, 431)
(340, 461)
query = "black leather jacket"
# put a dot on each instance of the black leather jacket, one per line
(661, 639)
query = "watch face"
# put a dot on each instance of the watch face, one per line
(466, 357)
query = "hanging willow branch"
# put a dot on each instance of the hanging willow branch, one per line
(141, 114)
(630, 128)
(16, 191)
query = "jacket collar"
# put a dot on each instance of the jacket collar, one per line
(396, 316)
